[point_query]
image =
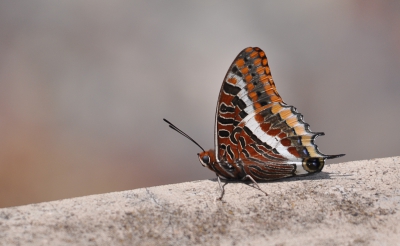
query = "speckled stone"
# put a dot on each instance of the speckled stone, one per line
(353, 203)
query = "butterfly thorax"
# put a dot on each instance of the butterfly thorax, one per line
(223, 168)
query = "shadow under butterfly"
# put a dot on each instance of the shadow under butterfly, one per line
(258, 137)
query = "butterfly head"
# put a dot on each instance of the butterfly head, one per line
(207, 158)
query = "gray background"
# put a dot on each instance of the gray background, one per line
(84, 85)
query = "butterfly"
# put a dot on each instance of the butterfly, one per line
(258, 137)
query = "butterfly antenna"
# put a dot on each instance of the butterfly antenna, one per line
(173, 127)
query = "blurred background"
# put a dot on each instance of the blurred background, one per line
(84, 85)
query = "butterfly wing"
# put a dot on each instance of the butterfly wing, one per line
(255, 126)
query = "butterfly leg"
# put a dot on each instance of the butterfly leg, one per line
(221, 187)
(255, 183)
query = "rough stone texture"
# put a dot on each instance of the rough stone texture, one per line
(353, 203)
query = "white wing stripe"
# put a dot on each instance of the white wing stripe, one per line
(255, 128)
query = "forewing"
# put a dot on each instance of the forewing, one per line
(247, 86)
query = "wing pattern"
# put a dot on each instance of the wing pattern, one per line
(256, 133)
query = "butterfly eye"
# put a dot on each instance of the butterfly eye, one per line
(206, 159)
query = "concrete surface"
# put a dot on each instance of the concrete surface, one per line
(353, 203)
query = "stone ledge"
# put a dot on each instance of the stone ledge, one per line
(348, 203)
